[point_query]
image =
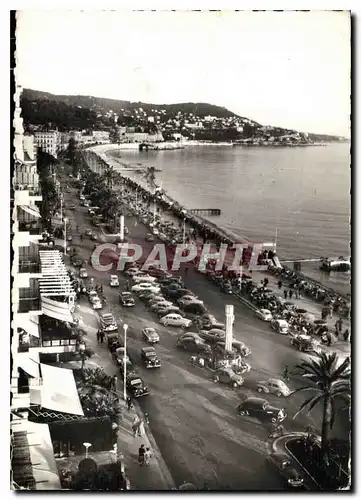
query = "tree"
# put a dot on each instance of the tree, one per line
(328, 379)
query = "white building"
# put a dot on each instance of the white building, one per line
(49, 142)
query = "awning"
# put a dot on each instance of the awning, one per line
(29, 363)
(41, 461)
(33, 210)
(58, 392)
(55, 280)
(29, 323)
(56, 310)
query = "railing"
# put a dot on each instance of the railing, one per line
(29, 267)
(30, 227)
(29, 304)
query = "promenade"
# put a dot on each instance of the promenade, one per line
(193, 420)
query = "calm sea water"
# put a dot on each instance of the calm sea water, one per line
(303, 192)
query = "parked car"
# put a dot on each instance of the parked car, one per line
(107, 322)
(113, 280)
(227, 376)
(261, 409)
(164, 311)
(194, 310)
(118, 356)
(83, 273)
(226, 287)
(174, 319)
(280, 326)
(192, 335)
(189, 299)
(149, 357)
(132, 271)
(88, 232)
(285, 467)
(194, 345)
(149, 237)
(97, 303)
(126, 299)
(76, 262)
(145, 287)
(94, 237)
(150, 335)
(304, 343)
(160, 306)
(158, 299)
(264, 315)
(69, 237)
(140, 278)
(273, 386)
(213, 335)
(135, 385)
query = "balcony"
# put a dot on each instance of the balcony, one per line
(30, 227)
(29, 304)
(31, 267)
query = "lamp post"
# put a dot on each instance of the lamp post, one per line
(229, 327)
(125, 327)
(61, 208)
(65, 221)
(87, 446)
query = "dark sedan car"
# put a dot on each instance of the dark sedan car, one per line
(261, 409)
(194, 345)
(286, 468)
(213, 335)
(136, 386)
(126, 299)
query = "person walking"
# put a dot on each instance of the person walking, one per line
(114, 383)
(291, 293)
(346, 335)
(279, 284)
(101, 333)
(141, 429)
(186, 271)
(98, 336)
(135, 426)
(141, 453)
(147, 456)
(285, 293)
(129, 403)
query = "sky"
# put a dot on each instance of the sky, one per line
(290, 69)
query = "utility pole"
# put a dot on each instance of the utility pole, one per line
(229, 327)
(125, 327)
(61, 207)
(65, 221)
(122, 228)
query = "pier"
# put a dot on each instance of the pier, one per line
(205, 211)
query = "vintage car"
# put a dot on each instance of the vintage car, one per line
(174, 319)
(113, 280)
(145, 287)
(88, 232)
(213, 335)
(280, 326)
(228, 376)
(126, 299)
(107, 322)
(150, 335)
(83, 273)
(189, 299)
(261, 409)
(143, 278)
(273, 386)
(192, 344)
(304, 343)
(264, 315)
(118, 356)
(285, 467)
(135, 385)
(238, 346)
(149, 357)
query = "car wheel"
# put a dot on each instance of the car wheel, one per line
(235, 385)
(242, 412)
(259, 389)
(273, 420)
(215, 379)
(279, 393)
(165, 323)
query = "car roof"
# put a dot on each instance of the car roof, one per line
(281, 322)
(254, 400)
(114, 276)
(148, 349)
(265, 310)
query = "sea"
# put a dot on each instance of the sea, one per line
(299, 196)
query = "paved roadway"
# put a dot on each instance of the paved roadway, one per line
(193, 420)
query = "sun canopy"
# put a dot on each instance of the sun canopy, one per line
(31, 210)
(29, 363)
(55, 280)
(58, 392)
(29, 323)
(56, 310)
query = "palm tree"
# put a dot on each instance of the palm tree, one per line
(329, 379)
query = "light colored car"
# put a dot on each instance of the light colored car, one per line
(138, 278)
(113, 280)
(97, 303)
(189, 299)
(160, 305)
(92, 295)
(264, 315)
(83, 273)
(174, 319)
(274, 386)
(150, 335)
(158, 299)
(280, 326)
(145, 287)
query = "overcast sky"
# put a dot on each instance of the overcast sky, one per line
(290, 69)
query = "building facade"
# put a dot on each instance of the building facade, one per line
(50, 142)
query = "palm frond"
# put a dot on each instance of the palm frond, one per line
(312, 401)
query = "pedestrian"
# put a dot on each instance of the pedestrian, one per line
(98, 336)
(279, 284)
(141, 430)
(201, 362)
(101, 336)
(114, 382)
(141, 453)
(346, 335)
(186, 271)
(81, 237)
(285, 293)
(291, 294)
(147, 456)
(127, 286)
(135, 426)
(101, 288)
(286, 373)
(129, 403)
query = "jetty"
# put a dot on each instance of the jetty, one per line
(205, 211)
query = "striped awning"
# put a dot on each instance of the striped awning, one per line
(54, 280)
(29, 323)
(56, 310)
(31, 210)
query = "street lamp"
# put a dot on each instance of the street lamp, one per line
(65, 221)
(125, 327)
(87, 446)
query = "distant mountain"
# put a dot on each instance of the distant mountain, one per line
(104, 105)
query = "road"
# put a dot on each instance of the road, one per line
(193, 420)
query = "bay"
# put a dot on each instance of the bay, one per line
(304, 192)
